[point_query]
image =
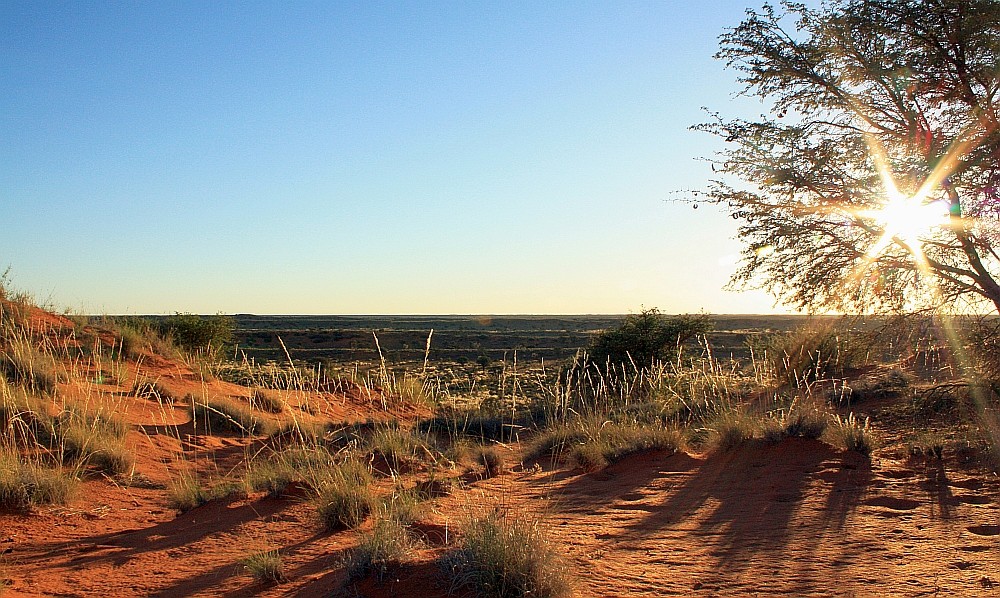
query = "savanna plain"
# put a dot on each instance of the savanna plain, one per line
(640, 455)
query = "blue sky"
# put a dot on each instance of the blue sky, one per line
(429, 157)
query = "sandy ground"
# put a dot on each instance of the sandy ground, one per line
(796, 518)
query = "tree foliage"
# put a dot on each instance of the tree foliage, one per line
(865, 95)
(646, 337)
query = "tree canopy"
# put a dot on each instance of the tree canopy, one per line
(872, 183)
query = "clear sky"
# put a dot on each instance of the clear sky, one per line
(410, 157)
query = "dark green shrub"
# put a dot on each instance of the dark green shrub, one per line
(199, 333)
(645, 338)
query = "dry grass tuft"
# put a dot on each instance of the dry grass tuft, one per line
(265, 566)
(503, 554)
(855, 435)
(344, 496)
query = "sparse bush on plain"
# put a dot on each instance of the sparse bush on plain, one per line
(645, 338)
(197, 333)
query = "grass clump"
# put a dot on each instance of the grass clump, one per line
(186, 492)
(344, 497)
(489, 458)
(265, 566)
(593, 444)
(503, 554)
(386, 544)
(402, 450)
(732, 429)
(95, 440)
(25, 365)
(152, 390)
(272, 476)
(216, 415)
(24, 484)
(266, 400)
(855, 434)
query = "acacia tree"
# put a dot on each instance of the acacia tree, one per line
(872, 184)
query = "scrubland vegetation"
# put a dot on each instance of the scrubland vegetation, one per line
(429, 431)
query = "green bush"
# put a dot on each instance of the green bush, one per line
(645, 338)
(200, 333)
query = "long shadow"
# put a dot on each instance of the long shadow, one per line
(588, 490)
(214, 517)
(848, 486)
(937, 487)
(754, 491)
(213, 578)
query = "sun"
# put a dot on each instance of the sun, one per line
(905, 220)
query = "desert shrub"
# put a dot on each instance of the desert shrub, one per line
(270, 475)
(645, 338)
(984, 339)
(26, 365)
(153, 390)
(306, 464)
(855, 435)
(25, 484)
(489, 458)
(265, 566)
(401, 449)
(503, 554)
(888, 384)
(805, 420)
(95, 440)
(482, 425)
(405, 505)
(186, 492)
(413, 390)
(344, 496)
